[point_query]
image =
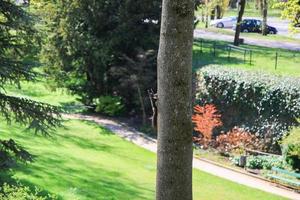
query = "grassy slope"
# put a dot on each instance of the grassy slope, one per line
(83, 161)
(263, 59)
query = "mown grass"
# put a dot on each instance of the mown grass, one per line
(84, 161)
(43, 92)
(263, 58)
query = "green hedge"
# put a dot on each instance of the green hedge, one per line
(263, 103)
(266, 162)
(291, 149)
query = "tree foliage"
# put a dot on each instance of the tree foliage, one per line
(100, 48)
(290, 10)
(16, 43)
(206, 118)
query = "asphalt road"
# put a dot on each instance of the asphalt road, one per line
(281, 25)
(202, 33)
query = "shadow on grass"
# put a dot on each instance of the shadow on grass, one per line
(203, 58)
(68, 166)
(80, 179)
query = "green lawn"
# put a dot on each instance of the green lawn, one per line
(83, 161)
(41, 91)
(263, 58)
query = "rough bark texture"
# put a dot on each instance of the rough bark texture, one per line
(174, 162)
(264, 13)
(239, 21)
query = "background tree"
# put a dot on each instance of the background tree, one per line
(291, 11)
(241, 9)
(174, 164)
(264, 11)
(98, 48)
(16, 39)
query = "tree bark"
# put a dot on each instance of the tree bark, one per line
(264, 27)
(239, 21)
(232, 4)
(206, 13)
(175, 153)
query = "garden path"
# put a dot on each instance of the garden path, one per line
(149, 143)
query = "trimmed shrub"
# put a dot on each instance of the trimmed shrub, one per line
(236, 139)
(265, 162)
(291, 149)
(261, 103)
(109, 105)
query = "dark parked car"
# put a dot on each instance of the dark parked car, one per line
(254, 25)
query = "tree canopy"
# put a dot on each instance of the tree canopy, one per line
(97, 48)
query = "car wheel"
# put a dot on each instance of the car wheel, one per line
(245, 30)
(220, 25)
(271, 32)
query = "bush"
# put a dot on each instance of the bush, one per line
(20, 192)
(206, 119)
(109, 105)
(291, 149)
(265, 162)
(236, 139)
(272, 103)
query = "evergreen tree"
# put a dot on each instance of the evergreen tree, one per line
(97, 48)
(16, 42)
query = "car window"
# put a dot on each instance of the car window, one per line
(258, 23)
(248, 22)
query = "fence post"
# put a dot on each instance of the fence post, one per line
(250, 57)
(214, 48)
(276, 60)
(229, 50)
(201, 45)
(245, 56)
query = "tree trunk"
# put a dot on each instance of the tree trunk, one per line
(212, 14)
(232, 4)
(144, 117)
(264, 27)
(206, 13)
(218, 12)
(174, 153)
(239, 21)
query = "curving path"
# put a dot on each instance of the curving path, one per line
(146, 142)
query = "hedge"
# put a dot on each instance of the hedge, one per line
(263, 103)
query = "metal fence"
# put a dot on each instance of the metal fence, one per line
(215, 48)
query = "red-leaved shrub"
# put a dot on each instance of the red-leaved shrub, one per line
(206, 118)
(237, 138)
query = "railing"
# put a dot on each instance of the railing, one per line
(215, 48)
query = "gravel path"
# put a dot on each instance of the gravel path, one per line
(247, 40)
(148, 143)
